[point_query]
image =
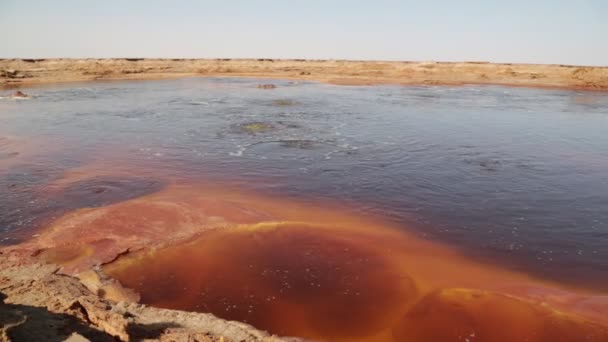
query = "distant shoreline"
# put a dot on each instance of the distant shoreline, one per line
(16, 73)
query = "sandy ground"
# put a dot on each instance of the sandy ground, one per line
(25, 72)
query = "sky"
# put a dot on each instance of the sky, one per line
(518, 31)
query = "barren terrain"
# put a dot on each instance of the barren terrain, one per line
(16, 72)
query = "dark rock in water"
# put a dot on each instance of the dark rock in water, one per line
(298, 143)
(20, 94)
(283, 102)
(266, 86)
(254, 127)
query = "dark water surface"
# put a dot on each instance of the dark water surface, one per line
(512, 176)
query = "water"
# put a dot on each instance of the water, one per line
(509, 176)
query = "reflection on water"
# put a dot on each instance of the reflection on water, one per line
(512, 177)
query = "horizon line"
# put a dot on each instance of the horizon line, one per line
(259, 59)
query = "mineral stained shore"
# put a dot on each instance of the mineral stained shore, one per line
(16, 72)
(341, 277)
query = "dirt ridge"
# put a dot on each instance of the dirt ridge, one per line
(27, 72)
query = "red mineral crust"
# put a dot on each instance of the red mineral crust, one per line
(315, 271)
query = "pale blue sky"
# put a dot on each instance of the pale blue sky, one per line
(529, 31)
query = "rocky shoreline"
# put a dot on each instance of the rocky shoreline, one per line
(28, 72)
(52, 287)
(37, 303)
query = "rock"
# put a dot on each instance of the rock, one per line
(283, 102)
(266, 86)
(76, 337)
(37, 304)
(9, 73)
(20, 94)
(97, 282)
(254, 127)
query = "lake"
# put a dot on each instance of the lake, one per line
(512, 177)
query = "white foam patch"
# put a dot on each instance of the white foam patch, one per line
(238, 153)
